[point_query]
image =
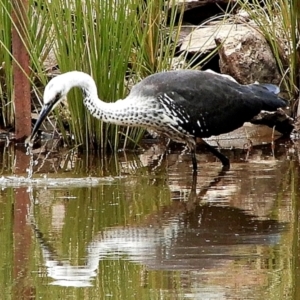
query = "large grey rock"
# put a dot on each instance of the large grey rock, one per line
(244, 136)
(202, 39)
(246, 55)
(244, 52)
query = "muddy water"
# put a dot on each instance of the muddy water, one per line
(139, 227)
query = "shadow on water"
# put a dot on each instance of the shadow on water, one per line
(148, 232)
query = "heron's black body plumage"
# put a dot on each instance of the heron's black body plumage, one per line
(209, 103)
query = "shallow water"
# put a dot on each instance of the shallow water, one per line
(139, 227)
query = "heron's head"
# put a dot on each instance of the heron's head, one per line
(55, 91)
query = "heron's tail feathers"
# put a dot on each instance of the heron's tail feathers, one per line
(267, 94)
(271, 88)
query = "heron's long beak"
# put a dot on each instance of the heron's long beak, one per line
(43, 114)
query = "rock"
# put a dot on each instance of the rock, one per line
(202, 39)
(279, 120)
(246, 55)
(244, 52)
(184, 30)
(244, 136)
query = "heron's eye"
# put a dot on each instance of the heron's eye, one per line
(57, 97)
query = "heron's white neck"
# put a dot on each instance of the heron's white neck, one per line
(119, 112)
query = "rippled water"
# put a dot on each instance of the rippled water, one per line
(140, 227)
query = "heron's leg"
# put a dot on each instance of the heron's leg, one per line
(194, 160)
(219, 155)
(168, 144)
(162, 156)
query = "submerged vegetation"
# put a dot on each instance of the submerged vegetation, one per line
(119, 43)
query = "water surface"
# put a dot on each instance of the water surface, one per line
(137, 226)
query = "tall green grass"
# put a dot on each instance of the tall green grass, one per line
(279, 23)
(6, 87)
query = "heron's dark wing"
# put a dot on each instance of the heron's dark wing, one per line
(205, 119)
(207, 103)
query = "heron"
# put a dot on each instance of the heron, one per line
(182, 105)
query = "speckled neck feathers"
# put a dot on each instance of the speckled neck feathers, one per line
(132, 111)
